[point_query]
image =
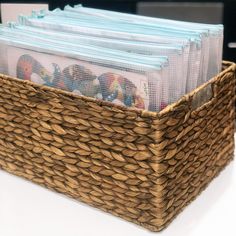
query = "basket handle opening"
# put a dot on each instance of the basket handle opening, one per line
(203, 96)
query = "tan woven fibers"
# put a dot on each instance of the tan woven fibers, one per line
(142, 166)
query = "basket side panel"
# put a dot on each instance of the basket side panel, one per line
(96, 153)
(196, 143)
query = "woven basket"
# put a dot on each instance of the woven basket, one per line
(142, 166)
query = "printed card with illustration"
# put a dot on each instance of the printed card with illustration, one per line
(120, 86)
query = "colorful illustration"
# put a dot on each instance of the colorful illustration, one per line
(27, 66)
(116, 88)
(79, 79)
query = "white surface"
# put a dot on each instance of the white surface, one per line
(10, 12)
(30, 210)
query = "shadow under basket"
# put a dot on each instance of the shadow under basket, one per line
(142, 166)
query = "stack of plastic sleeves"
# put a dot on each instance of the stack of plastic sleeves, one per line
(130, 60)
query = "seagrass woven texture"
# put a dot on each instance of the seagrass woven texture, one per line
(142, 166)
(225, 65)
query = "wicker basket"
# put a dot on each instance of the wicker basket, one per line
(142, 166)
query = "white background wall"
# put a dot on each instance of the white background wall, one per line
(9, 12)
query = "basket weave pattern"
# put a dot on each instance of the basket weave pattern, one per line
(142, 166)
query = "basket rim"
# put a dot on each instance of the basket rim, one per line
(121, 108)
